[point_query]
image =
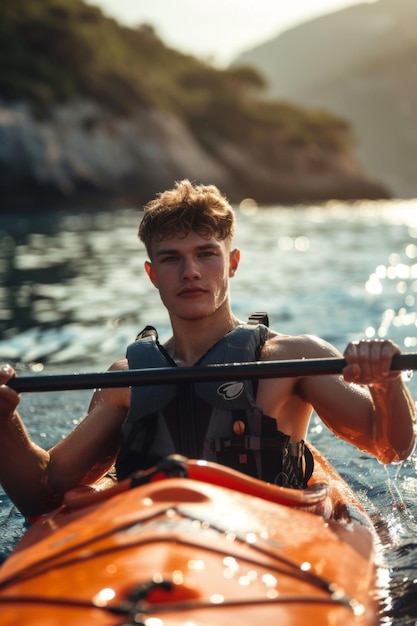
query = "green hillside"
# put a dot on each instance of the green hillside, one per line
(360, 63)
(54, 51)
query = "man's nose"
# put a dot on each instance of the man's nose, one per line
(190, 269)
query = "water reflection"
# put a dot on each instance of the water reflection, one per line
(68, 270)
(397, 278)
(28, 269)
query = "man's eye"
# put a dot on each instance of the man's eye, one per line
(207, 253)
(169, 259)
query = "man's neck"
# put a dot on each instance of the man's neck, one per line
(192, 339)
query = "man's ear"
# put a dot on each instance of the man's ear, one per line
(234, 261)
(151, 273)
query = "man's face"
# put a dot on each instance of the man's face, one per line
(192, 274)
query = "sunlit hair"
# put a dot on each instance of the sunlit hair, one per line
(188, 207)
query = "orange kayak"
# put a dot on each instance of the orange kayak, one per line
(197, 544)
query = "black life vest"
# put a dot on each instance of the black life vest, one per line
(215, 421)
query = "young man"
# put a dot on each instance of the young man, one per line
(253, 427)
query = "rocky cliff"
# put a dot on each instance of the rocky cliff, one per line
(81, 155)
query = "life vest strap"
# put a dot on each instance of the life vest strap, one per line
(259, 318)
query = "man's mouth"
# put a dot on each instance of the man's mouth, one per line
(191, 291)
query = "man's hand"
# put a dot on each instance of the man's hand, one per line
(9, 399)
(369, 361)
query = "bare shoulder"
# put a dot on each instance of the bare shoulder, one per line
(287, 347)
(121, 364)
(113, 396)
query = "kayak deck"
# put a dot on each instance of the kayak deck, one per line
(198, 551)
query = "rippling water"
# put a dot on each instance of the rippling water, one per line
(73, 294)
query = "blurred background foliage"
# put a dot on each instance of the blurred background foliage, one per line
(55, 51)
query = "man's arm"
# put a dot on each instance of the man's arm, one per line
(369, 405)
(394, 411)
(23, 465)
(36, 479)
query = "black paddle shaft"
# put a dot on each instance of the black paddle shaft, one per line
(173, 375)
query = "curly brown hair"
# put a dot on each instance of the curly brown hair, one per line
(188, 207)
